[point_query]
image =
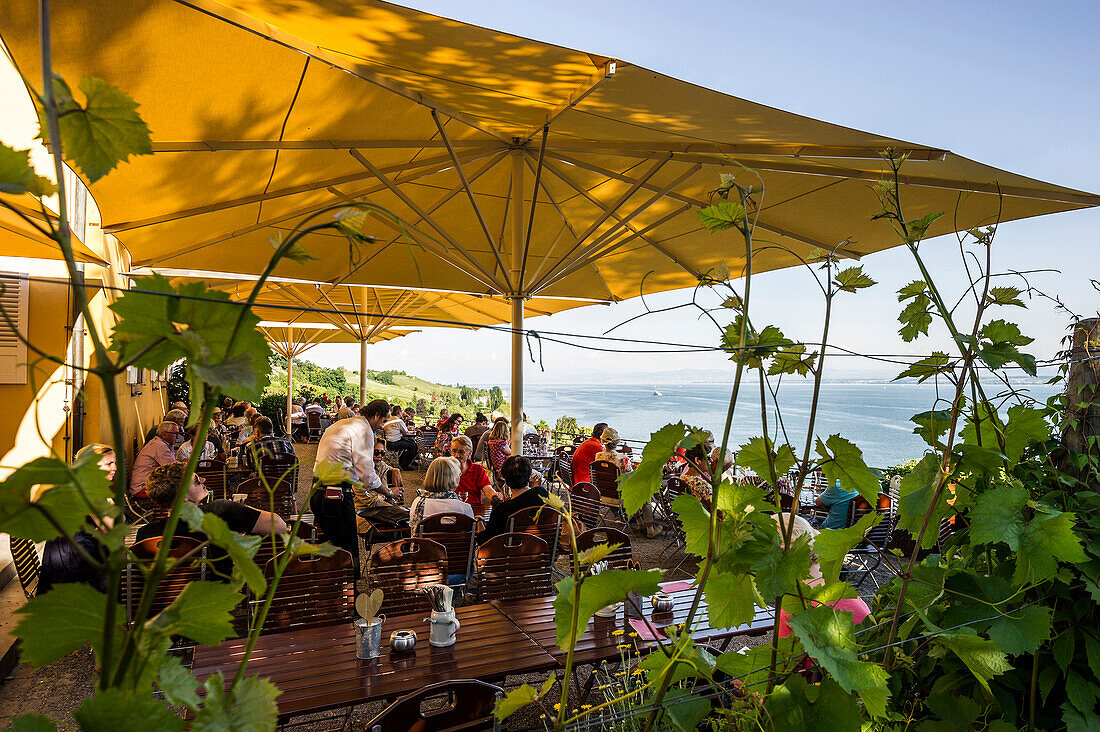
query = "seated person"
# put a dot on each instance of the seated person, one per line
(474, 487)
(164, 484)
(264, 444)
(856, 606)
(61, 562)
(517, 476)
(316, 407)
(728, 468)
(438, 494)
(478, 428)
(444, 413)
(610, 441)
(178, 416)
(209, 451)
(448, 430)
(236, 415)
(836, 499)
(498, 447)
(382, 506)
(157, 451)
(586, 453)
(348, 410)
(400, 438)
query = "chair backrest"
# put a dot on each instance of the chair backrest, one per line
(513, 567)
(605, 476)
(402, 568)
(676, 487)
(584, 502)
(465, 704)
(312, 592)
(187, 571)
(258, 496)
(279, 468)
(425, 439)
(213, 472)
(619, 557)
(544, 523)
(880, 534)
(270, 546)
(456, 532)
(313, 421)
(563, 464)
(27, 566)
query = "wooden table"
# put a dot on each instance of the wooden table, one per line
(316, 669)
(599, 641)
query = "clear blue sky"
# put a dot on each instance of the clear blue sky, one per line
(1011, 84)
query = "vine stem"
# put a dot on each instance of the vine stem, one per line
(712, 534)
(575, 631)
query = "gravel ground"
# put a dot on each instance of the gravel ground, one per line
(58, 689)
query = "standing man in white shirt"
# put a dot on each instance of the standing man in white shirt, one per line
(349, 443)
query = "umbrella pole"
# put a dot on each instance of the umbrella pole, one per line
(289, 376)
(363, 358)
(517, 301)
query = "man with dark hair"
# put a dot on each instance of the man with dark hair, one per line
(163, 485)
(516, 472)
(586, 453)
(264, 444)
(346, 411)
(478, 428)
(350, 444)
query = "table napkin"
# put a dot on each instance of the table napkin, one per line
(676, 586)
(642, 629)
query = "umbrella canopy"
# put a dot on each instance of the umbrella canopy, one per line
(18, 238)
(519, 168)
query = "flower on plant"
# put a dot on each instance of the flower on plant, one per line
(623, 646)
(617, 632)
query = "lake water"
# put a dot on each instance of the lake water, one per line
(873, 416)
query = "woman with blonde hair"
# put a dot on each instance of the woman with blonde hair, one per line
(438, 493)
(498, 448)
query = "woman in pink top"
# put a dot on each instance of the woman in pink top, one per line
(856, 606)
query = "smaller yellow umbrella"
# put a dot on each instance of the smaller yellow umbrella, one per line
(18, 238)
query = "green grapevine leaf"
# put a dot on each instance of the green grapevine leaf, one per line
(983, 657)
(639, 485)
(852, 279)
(115, 710)
(33, 723)
(62, 620)
(1022, 630)
(915, 318)
(250, 707)
(755, 455)
(832, 545)
(722, 215)
(917, 490)
(1004, 296)
(730, 599)
(936, 364)
(598, 591)
(63, 491)
(843, 461)
(201, 612)
(17, 174)
(1046, 540)
(796, 706)
(103, 132)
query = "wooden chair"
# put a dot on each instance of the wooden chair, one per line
(464, 704)
(402, 568)
(513, 567)
(619, 557)
(27, 565)
(869, 552)
(672, 489)
(313, 591)
(190, 570)
(313, 427)
(544, 523)
(532, 445)
(277, 468)
(259, 497)
(270, 546)
(456, 532)
(214, 473)
(562, 470)
(585, 504)
(605, 476)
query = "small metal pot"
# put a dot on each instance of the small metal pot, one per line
(402, 641)
(662, 602)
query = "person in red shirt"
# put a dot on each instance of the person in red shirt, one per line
(586, 453)
(475, 486)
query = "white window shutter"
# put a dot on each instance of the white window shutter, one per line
(14, 299)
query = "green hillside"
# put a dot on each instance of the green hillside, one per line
(311, 380)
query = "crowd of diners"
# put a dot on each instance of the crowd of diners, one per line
(477, 471)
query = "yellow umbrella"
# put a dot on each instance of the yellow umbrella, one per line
(18, 238)
(522, 168)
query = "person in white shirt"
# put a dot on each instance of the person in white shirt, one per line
(350, 444)
(399, 438)
(526, 428)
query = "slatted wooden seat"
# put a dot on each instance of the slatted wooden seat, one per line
(259, 497)
(532, 445)
(169, 588)
(278, 468)
(563, 465)
(585, 504)
(605, 476)
(402, 568)
(213, 472)
(456, 532)
(313, 427)
(271, 546)
(465, 704)
(544, 523)
(313, 591)
(27, 566)
(619, 557)
(513, 567)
